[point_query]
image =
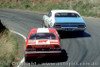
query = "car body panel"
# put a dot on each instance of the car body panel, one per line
(69, 20)
(66, 23)
(42, 47)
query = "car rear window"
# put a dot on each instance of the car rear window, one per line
(66, 15)
(40, 36)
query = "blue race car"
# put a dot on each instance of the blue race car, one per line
(64, 20)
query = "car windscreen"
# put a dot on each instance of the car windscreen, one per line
(66, 15)
(39, 36)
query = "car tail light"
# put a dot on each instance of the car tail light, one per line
(56, 47)
(30, 48)
(57, 26)
(81, 25)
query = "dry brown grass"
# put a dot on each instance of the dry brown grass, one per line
(8, 48)
(84, 7)
(57, 1)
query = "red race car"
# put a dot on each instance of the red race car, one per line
(42, 42)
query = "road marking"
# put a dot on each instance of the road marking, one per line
(22, 61)
(19, 34)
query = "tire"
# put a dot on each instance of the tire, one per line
(43, 25)
(63, 55)
(63, 52)
(27, 60)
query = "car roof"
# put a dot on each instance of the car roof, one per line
(71, 11)
(43, 30)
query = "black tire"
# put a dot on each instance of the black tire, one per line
(43, 25)
(63, 55)
(27, 59)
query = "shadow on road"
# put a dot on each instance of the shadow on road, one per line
(64, 34)
(50, 59)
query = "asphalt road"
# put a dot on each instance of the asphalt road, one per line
(83, 49)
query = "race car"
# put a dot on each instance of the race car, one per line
(64, 20)
(42, 42)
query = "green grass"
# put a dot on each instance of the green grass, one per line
(85, 8)
(8, 48)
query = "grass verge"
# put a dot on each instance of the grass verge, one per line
(8, 47)
(85, 8)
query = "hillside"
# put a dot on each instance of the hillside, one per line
(8, 46)
(84, 7)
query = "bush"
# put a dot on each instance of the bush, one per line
(85, 8)
(8, 47)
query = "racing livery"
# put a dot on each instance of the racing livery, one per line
(64, 20)
(42, 42)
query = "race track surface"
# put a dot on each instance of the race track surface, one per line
(82, 49)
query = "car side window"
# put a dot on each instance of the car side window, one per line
(50, 14)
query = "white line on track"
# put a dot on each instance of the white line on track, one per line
(22, 61)
(19, 34)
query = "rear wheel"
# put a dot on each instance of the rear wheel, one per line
(63, 55)
(27, 60)
(43, 25)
